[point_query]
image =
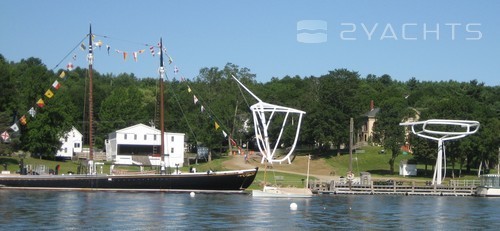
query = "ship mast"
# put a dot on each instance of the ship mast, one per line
(162, 125)
(90, 58)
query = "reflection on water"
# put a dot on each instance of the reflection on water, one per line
(35, 210)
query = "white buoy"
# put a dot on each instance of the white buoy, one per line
(293, 206)
(192, 194)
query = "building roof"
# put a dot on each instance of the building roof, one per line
(143, 128)
(372, 113)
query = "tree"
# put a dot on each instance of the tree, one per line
(42, 134)
(387, 129)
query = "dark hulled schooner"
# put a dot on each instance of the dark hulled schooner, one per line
(219, 181)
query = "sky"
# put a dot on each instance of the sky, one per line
(428, 40)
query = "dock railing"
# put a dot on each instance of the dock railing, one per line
(456, 187)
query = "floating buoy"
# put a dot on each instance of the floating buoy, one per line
(293, 206)
(192, 194)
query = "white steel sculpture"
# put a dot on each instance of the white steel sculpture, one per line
(433, 129)
(263, 113)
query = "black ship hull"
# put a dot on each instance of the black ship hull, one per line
(224, 181)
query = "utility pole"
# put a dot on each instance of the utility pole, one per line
(350, 175)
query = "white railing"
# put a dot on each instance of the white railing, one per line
(459, 183)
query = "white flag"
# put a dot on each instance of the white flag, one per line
(32, 112)
(14, 127)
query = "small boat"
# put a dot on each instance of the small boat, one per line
(269, 191)
(218, 181)
(489, 186)
(286, 192)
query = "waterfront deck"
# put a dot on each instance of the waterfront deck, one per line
(455, 188)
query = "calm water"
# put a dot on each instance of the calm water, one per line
(48, 210)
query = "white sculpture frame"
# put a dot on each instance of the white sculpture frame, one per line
(263, 114)
(421, 128)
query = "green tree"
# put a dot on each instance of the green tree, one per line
(387, 129)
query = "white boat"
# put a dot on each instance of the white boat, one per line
(269, 191)
(286, 192)
(489, 186)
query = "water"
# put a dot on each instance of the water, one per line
(68, 210)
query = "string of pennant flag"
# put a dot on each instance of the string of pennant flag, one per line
(213, 119)
(50, 92)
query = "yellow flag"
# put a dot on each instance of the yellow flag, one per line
(49, 94)
(62, 75)
(216, 126)
(40, 103)
(189, 89)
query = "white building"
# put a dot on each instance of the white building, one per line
(140, 145)
(71, 144)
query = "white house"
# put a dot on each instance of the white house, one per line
(140, 145)
(71, 144)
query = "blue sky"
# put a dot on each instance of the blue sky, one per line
(428, 40)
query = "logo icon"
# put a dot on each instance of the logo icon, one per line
(312, 31)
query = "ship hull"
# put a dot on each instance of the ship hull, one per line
(229, 181)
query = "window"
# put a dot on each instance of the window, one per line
(172, 138)
(125, 136)
(145, 137)
(65, 150)
(171, 150)
(77, 145)
(154, 137)
(135, 136)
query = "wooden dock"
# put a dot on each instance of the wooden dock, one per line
(392, 188)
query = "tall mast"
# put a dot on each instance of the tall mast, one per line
(90, 58)
(162, 126)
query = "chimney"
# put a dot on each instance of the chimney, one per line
(371, 105)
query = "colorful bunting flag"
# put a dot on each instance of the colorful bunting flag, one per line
(224, 133)
(23, 120)
(107, 48)
(195, 99)
(69, 66)
(232, 141)
(98, 44)
(135, 56)
(125, 56)
(49, 94)
(40, 103)
(189, 89)
(62, 75)
(202, 108)
(152, 50)
(176, 70)
(170, 60)
(32, 112)
(141, 51)
(5, 136)
(216, 126)
(56, 85)
(83, 47)
(14, 127)
(74, 57)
